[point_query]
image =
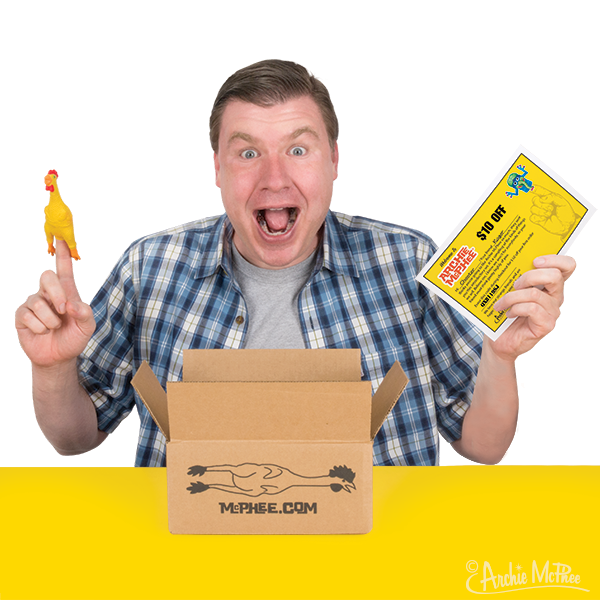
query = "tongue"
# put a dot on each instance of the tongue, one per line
(277, 220)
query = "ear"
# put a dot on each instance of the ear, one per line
(335, 157)
(217, 170)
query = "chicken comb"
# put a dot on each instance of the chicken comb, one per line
(52, 172)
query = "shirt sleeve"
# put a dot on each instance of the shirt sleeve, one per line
(105, 366)
(454, 347)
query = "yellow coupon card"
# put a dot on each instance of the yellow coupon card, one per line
(527, 212)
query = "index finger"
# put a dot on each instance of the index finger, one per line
(64, 270)
(565, 264)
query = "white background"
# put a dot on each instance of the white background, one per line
(432, 98)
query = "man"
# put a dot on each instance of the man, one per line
(280, 270)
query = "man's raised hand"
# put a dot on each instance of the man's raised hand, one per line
(54, 325)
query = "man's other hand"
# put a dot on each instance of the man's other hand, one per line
(536, 301)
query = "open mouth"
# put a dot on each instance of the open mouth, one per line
(276, 221)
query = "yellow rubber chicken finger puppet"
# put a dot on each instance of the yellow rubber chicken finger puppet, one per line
(59, 220)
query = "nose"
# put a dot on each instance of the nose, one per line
(274, 176)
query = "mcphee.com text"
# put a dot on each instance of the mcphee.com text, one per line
(264, 508)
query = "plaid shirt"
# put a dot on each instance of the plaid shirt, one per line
(173, 290)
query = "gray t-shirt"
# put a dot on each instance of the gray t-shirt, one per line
(272, 300)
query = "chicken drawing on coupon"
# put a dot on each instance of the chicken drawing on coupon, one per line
(458, 265)
(526, 213)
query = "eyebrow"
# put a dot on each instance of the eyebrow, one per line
(240, 135)
(302, 130)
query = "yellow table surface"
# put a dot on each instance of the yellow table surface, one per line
(102, 533)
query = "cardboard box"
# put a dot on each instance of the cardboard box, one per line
(270, 441)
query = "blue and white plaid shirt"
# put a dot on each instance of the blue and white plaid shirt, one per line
(173, 290)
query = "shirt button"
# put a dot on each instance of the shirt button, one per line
(239, 319)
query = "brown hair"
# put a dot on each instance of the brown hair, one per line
(268, 83)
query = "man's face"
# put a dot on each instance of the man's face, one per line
(276, 169)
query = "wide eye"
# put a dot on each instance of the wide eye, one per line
(249, 154)
(298, 151)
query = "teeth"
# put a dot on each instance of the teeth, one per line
(263, 223)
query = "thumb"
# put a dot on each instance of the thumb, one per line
(83, 315)
(537, 219)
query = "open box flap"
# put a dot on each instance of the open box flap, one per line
(301, 411)
(153, 396)
(272, 365)
(386, 396)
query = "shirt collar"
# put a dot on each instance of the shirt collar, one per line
(215, 251)
(335, 254)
